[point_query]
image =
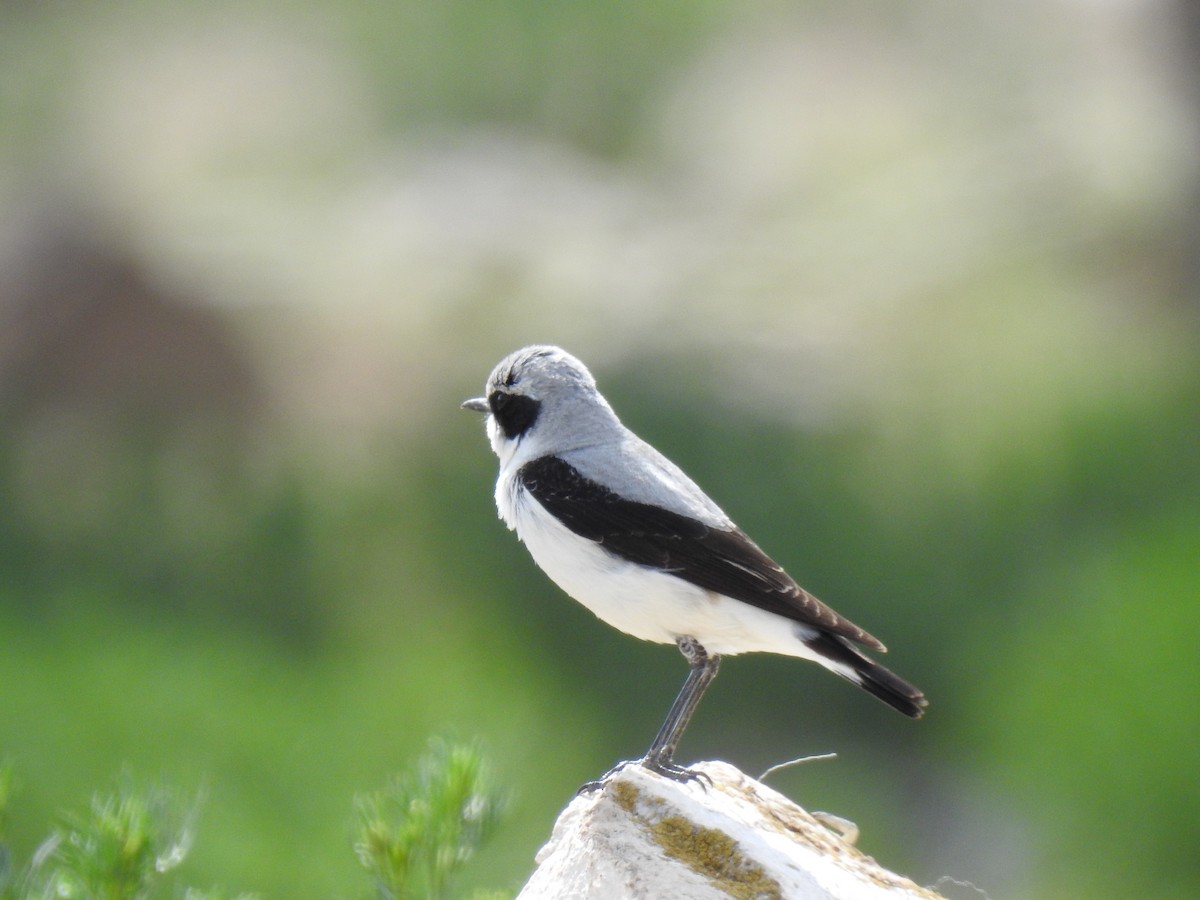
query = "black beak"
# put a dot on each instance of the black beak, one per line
(476, 404)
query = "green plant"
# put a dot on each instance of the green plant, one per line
(416, 833)
(122, 847)
(413, 836)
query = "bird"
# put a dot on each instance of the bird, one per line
(622, 530)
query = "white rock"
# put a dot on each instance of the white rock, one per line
(645, 836)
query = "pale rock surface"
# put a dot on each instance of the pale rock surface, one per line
(644, 836)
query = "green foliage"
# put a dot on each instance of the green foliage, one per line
(1108, 717)
(124, 846)
(413, 836)
(416, 833)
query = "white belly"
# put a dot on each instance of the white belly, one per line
(646, 603)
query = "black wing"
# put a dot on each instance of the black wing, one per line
(724, 562)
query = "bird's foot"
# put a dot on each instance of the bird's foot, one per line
(668, 769)
(599, 784)
(664, 767)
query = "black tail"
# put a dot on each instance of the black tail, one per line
(854, 665)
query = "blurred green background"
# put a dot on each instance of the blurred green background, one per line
(910, 288)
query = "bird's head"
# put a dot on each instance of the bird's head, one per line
(542, 400)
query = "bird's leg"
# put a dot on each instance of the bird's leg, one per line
(660, 757)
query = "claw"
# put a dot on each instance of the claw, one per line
(665, 768)
(600, 783)
(677, 773)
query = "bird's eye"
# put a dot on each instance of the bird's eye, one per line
(514, 413)
(498, 400)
